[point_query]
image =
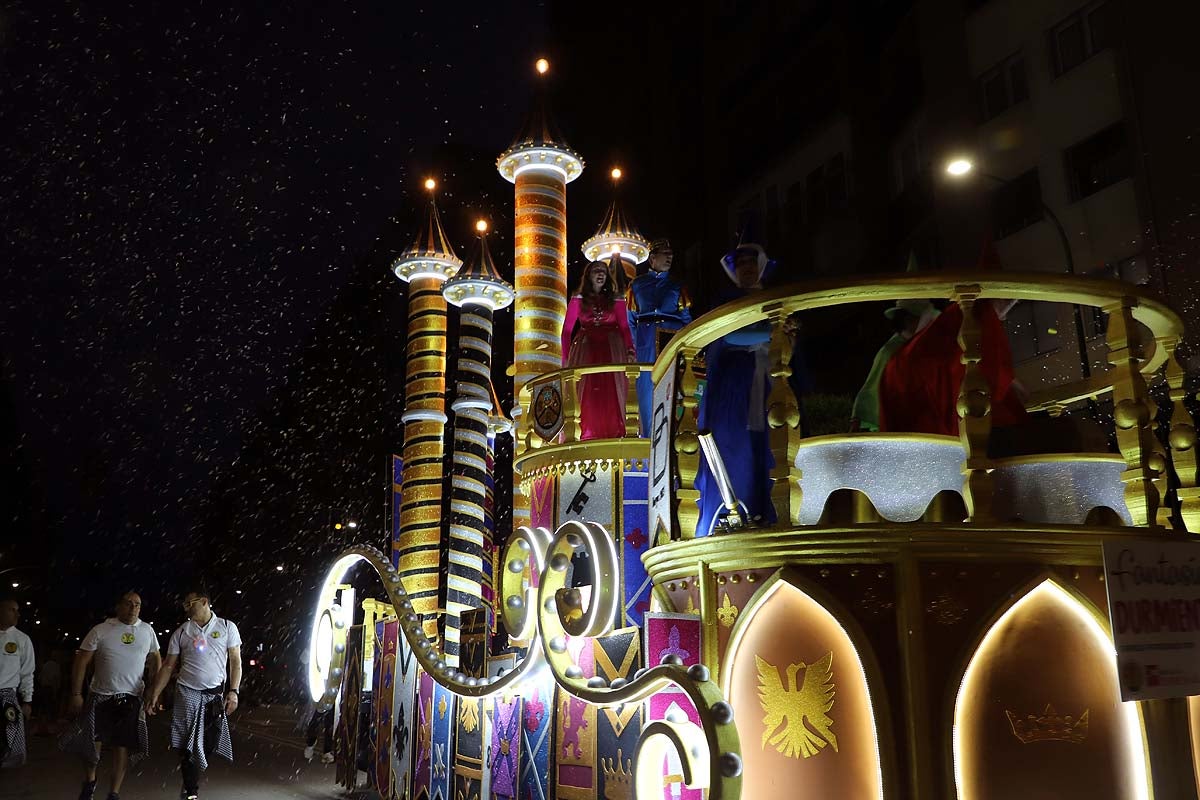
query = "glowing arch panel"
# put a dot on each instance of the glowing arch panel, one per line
(804, 713)
(1039, 712)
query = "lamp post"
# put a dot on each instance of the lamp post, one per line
(960, 168)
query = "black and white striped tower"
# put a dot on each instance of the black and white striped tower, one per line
(478, 290)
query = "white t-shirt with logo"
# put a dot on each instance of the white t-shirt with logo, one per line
(204, 651)
(121, 651)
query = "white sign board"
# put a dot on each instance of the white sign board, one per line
(661, 476)
(1154, 605)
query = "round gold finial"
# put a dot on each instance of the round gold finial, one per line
(430, 184)
(481, 225)
(616, 173)
(542, 66)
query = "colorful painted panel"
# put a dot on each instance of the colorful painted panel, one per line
(541, 503)
(469, 738)
(575, 733)
(674, 706)
(423, 748)
(444, 710)
(634, 541)
(536, 725)
(385, 669)
(504, 758)
(672, 635)
(403, 699)
(618, 727)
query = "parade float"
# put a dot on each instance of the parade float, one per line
(922, 620)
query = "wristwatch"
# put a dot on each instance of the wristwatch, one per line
(235, 691)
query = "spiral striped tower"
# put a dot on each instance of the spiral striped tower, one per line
(540, 164)
(416, 551)
(478, 290)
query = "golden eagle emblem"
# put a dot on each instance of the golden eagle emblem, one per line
(788, 708)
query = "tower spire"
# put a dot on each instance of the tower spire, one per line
(617, 234)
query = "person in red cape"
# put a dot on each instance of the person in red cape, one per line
(919, 389)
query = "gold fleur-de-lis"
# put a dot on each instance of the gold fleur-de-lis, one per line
(442, 707)
(468, 718)
(727, 613)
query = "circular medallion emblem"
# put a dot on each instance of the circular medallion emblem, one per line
(126, 638)
(10, 648)
(216, 634)
(547, 406)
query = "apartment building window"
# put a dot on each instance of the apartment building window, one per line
(1098, 161)
(1017, 204)
(1003, 86)
(826, 189)
(1079, 37)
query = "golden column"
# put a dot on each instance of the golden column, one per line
(541, 165)
(416, 552)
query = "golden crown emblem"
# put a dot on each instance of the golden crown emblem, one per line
(1049, 726)
(618, 777)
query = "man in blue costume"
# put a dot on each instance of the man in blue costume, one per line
(658, 306)
(734, 407)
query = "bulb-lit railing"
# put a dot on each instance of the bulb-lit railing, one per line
(1141, 339)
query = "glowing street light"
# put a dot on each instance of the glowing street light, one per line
(279, 568)
(352, 524)
(616, 173)
(959, 167)
(16, 585)
(542, 66)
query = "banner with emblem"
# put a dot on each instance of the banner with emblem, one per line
(617, 655)
(661, 429)
(633, 543)
(677, 707)
(504, 757)
(346, 744)
(537, 717)
(474, 626)
(668, 634)
(423, 749)
(542, 506)
(385, 672)
(470, 777)
(403, 700)
(546, 410)
(575, 733)
(444, 709)
(587, 496)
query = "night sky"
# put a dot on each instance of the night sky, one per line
(185, 191)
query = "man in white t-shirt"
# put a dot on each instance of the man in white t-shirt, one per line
(208, 650)
(119, 649)
(16, 684)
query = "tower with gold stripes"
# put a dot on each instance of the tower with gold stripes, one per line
(478, 290)
(540, 165)
(425, 266)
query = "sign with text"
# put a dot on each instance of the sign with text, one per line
(661, 442)
(1154, 606)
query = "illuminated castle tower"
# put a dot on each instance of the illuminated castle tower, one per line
(617, 233)
(478, 290)
(540, 164)
(425, 266)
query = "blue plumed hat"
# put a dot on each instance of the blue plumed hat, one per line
(748, 245)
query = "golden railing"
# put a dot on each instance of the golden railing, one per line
(1134, 353)
(567, 380)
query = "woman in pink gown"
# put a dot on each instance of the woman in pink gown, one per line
(596, 331)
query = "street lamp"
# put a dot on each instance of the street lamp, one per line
(961, 167)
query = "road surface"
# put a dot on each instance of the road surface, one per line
(268, 750)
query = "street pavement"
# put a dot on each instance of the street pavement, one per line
(268, 752)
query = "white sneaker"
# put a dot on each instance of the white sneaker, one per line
(327, 758)
(308, 753)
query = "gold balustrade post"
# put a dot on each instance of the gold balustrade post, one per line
(633, 413)
(783, 424)
(1133, 412)
(571, 416)
(687, 450)
(1182, 438)
(524, 421)
(974, 409)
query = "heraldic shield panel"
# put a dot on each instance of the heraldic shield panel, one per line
(1039, 711)
(804, 710)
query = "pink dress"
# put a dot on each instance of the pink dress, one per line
(601, 338)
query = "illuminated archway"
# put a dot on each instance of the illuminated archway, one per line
(1039, 713)
(805, 715)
